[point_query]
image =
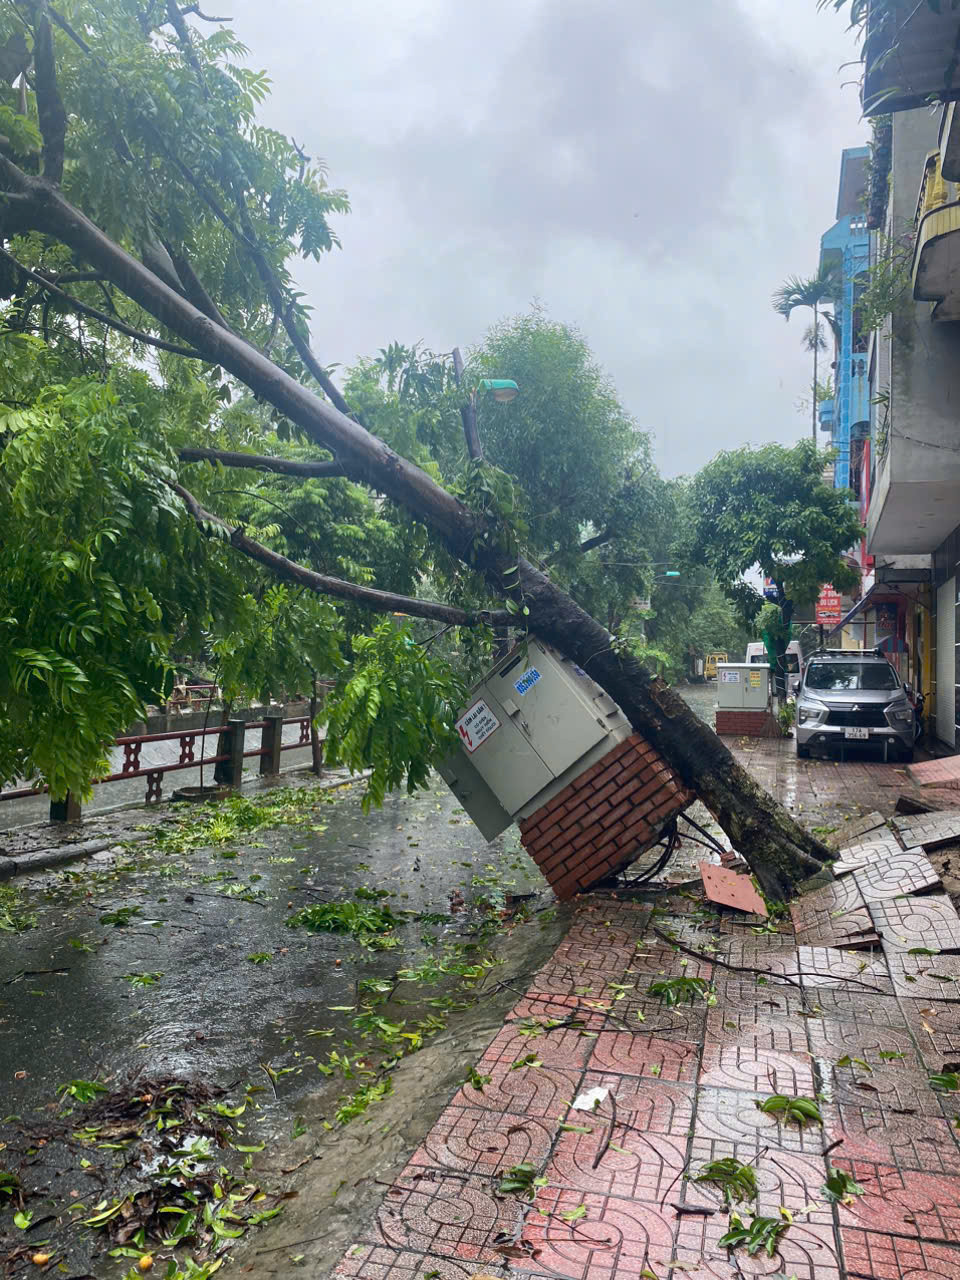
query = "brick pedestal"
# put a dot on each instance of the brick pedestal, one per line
(603, 819)
(748, 724)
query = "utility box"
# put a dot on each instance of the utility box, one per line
(743, 701)
(742, 686)
(535, 721)
(542, 745)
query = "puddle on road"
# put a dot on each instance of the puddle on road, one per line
(183, 964)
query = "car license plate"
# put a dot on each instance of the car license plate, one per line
(856, 733)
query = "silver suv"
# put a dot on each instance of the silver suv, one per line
(853, 695)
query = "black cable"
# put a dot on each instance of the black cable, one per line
(714, 843)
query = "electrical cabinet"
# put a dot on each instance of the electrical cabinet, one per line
(743, 686)
(532, 724)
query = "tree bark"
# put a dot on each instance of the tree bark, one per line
(778, 850)
(316, 746)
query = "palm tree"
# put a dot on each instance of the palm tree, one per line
(813, 293)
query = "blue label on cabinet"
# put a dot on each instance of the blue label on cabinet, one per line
(527, 680)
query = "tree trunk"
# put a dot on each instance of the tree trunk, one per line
(779, 851)
(316, 746)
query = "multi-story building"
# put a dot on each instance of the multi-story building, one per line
(877, 617)
(909, 472)
(845, 253)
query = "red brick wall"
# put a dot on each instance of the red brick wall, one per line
(749, 724)
(604, 818)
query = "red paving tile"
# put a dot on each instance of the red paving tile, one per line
(936, 773)
(468, 1140)
(884, 1136)
(871, 1255)
(859, 1009)
(826, 967)
(807, 1252)
(728, 1123)
(894, 874)
(684, 1083)
(904, 923)
(925, 977)
(744, 1065)
(615, 1240)
(936, 1028)
(447, 1215)
(903, 1202)
(649, 1106)
(546, 1008)
(637, 1167)
(873, 1052)
(560, 1047)
(532, 1091)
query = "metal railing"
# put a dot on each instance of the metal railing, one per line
(227, 762)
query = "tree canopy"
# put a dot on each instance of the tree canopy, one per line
(770, 508)
(150, 230)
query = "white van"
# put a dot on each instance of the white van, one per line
(756, 653)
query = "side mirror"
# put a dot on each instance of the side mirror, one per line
(908, 689)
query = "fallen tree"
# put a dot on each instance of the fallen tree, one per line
(779, 851)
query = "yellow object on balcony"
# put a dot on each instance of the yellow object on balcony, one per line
(936, 257)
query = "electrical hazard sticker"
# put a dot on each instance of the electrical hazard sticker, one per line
(476, 725)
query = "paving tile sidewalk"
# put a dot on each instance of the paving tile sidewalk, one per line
(861, 1030)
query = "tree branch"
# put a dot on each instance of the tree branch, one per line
(193, 286)
(112, 322)
(262, 462)
(779, 850)
(368, 597)
(50, 110)
(598, 540)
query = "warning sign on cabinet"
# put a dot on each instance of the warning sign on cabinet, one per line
(476, 725)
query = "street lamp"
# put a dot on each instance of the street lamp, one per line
(502, 389)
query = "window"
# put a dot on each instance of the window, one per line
(843, 676)
(861, 340)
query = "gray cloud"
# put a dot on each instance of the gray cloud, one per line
(649, 171)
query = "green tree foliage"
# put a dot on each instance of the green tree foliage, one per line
(769, 508)
(150, 127)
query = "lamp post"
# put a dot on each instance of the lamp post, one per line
(503, 390)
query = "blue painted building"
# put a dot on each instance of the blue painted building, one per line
(845, 249)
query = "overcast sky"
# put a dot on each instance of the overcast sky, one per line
(649, 171)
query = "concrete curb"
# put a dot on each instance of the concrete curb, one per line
(41, 859)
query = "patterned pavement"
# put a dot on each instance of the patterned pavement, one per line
(791, 1013)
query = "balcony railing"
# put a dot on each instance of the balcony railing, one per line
(936, 257)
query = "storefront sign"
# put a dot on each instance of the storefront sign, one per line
(886, 620)
(829, 606)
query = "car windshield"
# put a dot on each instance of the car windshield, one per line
(852, 675)
(791, 663)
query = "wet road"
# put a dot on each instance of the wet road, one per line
(701, 698)
(181, 962)
(213, 1009)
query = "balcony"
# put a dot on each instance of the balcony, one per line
(826, 410)
(909, 55)
(936, 258)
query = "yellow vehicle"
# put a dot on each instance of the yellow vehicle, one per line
(710, 665)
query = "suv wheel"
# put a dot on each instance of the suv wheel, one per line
(803, 753)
